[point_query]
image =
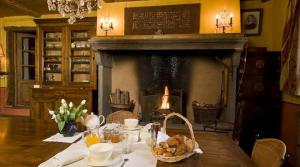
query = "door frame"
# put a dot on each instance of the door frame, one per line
(10, 60)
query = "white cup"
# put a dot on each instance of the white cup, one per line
(101, 151)
(131, 123)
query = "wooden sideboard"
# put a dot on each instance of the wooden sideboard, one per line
(43, 99)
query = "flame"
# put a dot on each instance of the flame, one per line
(165, 99)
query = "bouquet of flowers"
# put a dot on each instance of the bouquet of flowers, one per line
(67, 115)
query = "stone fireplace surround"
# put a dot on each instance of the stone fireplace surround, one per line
(105, 47)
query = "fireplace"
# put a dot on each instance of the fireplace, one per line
(157, 61)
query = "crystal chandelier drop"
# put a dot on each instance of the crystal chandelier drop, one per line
(73, 8)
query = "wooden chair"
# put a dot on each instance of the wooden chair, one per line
(268, 152)
(119, 116)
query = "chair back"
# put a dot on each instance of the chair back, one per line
(120, 116)
(268, 152)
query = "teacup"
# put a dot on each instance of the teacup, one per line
(131, 123)
(101, 151)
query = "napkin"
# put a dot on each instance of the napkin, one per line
(163, 137)
(60, 138)
(73, 153)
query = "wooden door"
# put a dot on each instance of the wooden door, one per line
(25, 68)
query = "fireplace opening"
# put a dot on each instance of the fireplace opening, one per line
(164, 80)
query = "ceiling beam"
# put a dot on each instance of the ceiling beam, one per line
(20, 7)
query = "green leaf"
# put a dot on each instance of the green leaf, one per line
(65, 117)
(61, 125)
(58, 118)
(73, 116)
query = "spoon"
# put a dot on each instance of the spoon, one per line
(125, 160)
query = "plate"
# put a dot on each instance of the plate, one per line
(135, 128)
(114, 159)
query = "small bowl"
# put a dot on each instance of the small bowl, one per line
(131, 123)
(101, 151)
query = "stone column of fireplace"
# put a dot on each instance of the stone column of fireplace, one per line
(232, 87)
(104, 62)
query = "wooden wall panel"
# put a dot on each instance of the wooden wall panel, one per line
(289, 129)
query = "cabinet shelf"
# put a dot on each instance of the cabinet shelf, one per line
(52, 71)
(53, 39)
(81, 48)
(52, 56)
(47, 48)
(80, 62)
(52, 62)
(80, 72)
(80, 39)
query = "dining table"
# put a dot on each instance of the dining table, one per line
(22, 145)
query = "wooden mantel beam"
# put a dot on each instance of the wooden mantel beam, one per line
(21, 7)
(110, 1)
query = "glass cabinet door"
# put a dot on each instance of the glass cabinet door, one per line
(80, 59)
(52, 57)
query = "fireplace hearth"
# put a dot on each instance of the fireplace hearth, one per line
(163, 60)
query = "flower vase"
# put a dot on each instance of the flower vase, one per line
(69, 129)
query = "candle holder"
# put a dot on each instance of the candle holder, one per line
(106, 24)
(224, 21)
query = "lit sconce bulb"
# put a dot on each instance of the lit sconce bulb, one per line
(217, 20)
(231, 16)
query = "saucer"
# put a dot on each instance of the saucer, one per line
(135, 128)
(114, 159)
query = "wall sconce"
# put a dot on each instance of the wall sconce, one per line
(106, 24)
(223, 21)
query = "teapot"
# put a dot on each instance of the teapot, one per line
(93, 121)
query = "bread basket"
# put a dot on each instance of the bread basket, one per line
(187, 154)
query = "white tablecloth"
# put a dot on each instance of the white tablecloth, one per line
(140, 157)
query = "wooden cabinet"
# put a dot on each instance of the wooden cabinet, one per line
(65, 65)
(259, 97)
(44, 99)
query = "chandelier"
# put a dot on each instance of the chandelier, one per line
(75, 9)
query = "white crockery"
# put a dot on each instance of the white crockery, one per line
(114, 159)
(101, 151)
(131, 123)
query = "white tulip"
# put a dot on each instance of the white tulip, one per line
(70, 104)
(61, 111)
(84, 111)
(53, 117)
(83, 102)
(63, 101)
(51, 112)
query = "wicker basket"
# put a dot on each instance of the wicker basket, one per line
(184, 156)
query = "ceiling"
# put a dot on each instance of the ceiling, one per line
(23, 7)
(29, 7)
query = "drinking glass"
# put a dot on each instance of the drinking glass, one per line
(115, 136)
(155, 127)
(107, 134)
(127, 143)
(91, 137)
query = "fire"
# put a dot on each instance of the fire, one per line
(165, 99)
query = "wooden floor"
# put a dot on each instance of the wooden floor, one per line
(10, 111)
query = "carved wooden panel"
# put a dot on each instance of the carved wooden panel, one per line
(171, 19)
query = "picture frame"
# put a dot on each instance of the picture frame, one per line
(251, 21)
